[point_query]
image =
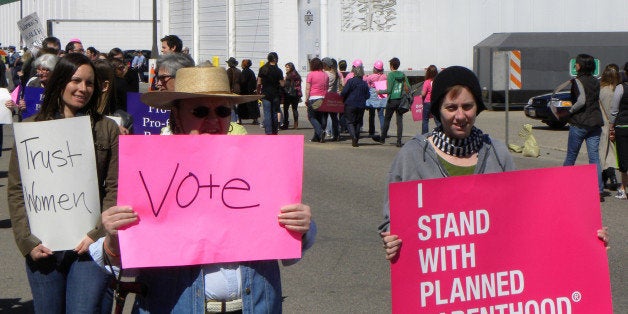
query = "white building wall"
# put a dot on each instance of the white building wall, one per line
(284, 31)
(180, 21)
(71, 9)
(422, 32)
(9, 15)
(212, 30)
(253, 31)
(443, 32)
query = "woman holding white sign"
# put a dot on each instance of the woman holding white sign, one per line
(67, 281)
(454, 148)
(201, 104)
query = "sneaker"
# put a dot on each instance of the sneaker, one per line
(621, 195)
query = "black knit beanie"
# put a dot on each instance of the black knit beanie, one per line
(452, 76)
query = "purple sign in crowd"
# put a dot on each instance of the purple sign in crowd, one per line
(146, 120)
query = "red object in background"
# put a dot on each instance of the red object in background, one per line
(417, 108)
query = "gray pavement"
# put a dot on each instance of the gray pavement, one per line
(345, 271)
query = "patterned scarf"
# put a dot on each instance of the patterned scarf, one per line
(458, 147)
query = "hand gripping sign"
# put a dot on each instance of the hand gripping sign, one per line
(208, 199)
(478, 244)
(58, 172)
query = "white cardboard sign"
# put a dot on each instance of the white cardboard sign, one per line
(31, 30)
(59, 180)
(6, 115)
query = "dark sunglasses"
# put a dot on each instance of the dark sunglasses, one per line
(220, 111)
(164, 78)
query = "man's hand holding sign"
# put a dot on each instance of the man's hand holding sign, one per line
(197, 204)
(216, 206)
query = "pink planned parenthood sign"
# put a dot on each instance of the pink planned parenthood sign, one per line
(513, 242)
(208, 199)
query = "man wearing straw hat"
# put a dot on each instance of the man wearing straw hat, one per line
(201, 103)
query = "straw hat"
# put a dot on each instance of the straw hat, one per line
(198, 82)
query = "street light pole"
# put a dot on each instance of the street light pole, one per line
(21, 17)
(154, 53)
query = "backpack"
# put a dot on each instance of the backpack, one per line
(397, 89)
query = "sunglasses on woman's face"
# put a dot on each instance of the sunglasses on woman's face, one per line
(202, 112)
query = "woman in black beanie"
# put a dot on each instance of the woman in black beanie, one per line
(455, 148)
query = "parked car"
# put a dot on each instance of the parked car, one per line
(538, 109)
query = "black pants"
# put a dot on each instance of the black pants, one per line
(354, 117)
(393, 107)
(287, 103)
(621, 143)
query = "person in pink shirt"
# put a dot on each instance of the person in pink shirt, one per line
(316, 86)
(426, 93)
(375, 102)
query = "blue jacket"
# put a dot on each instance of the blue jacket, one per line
(181, 289)
(355, 93)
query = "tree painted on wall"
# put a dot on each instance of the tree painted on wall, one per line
(369, 15)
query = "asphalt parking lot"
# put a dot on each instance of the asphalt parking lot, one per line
(345, 271)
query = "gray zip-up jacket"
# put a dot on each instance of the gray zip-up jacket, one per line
(418, 160)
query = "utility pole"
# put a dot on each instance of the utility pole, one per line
(21, 17)
(154, 52)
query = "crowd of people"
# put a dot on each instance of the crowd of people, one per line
(204, 99)
(77, 281)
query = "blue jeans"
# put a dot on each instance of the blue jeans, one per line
(332, 127)
(380, 115)
(316, 119)
(592, 137)
(68, 283)
(425, 127)
(271, 124)
(234, 114)
(181, 289)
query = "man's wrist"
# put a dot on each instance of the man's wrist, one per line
(111, 247)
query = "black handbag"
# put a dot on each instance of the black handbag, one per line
(406, 99)
(290, 90)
